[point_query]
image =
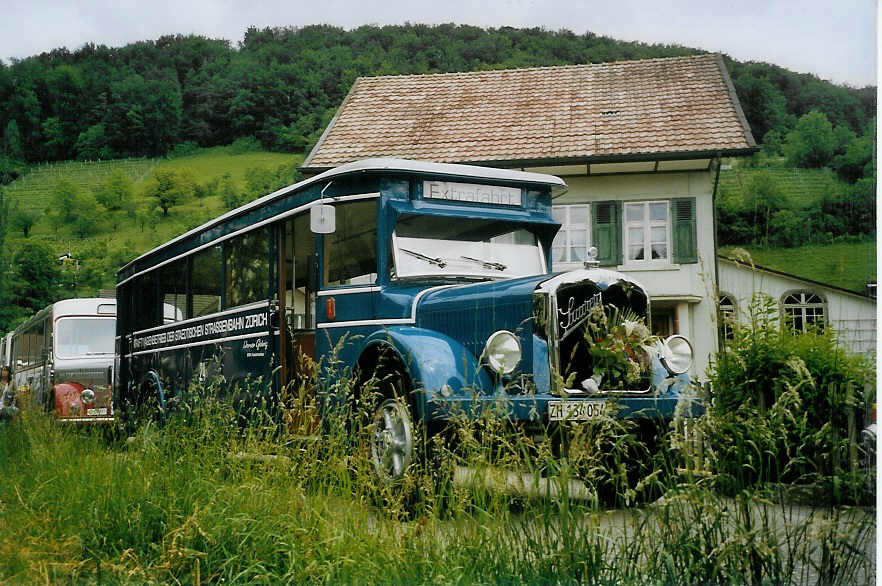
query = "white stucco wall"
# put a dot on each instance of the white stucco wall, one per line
(687, 288)
(852, 316)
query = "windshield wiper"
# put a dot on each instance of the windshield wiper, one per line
(435, 261)
(486, 264)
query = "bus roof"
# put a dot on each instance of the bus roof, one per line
(85, 306)
(378, 165)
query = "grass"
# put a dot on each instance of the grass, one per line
(213, 163)
(849, 265)
(204, 499)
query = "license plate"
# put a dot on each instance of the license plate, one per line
(101, 411)
(575, 410)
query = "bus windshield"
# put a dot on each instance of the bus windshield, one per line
(439, 246)
(77, 337)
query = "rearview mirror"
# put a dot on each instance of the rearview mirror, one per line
(322, 219)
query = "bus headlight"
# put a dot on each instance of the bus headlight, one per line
(502, 351)
(676, 354)
(87, 396)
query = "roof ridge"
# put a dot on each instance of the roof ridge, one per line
(542, 67)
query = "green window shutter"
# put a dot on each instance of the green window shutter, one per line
(606, 231)
(684, 232)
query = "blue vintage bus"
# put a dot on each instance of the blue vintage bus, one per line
(437, 275)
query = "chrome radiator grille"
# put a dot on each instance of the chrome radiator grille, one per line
(560, 317)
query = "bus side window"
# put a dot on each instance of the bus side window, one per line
(351, 251)
(146, 312)
(173, 280)
(206, 282)
(247, 269)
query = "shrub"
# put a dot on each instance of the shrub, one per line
(184, 149)
(783, 403)
(245, 144)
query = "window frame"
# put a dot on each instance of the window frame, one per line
(328, 246)
(802, 306)
(646, 224)
(727, 315)
(567, 228)
(238, 276)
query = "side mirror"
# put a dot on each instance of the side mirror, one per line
(322, 219)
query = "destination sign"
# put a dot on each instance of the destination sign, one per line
(471, 192)
(249, 321)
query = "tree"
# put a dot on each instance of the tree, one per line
(114, 191)
(22, 219)
(764, 105)
(86, 222)
(12, 141)
(144, 116)
(852, 163)
(92, 144)
(66, 201)
(230, 195)
(35, 277)
(54, 143)
(767, 197)
(168, 188)
(812, 142)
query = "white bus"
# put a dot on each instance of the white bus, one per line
(62, 358)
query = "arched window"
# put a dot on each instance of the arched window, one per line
(804, 309)
(727, 316)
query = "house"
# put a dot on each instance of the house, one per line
(802, 303)
(638, 142)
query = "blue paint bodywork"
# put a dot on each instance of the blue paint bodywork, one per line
(438, 329)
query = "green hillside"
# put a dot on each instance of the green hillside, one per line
(33, 191)
(800, 187)
(849, 265)
(121, 236)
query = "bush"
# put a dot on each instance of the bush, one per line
(184, 149)
(245, 144)
(784, 403)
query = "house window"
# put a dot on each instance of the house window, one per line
(647, 231)
(727, 316)
(571, 242)
(804, 309)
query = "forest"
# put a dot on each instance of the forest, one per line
(278, 88)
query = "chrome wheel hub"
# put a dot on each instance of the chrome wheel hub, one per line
(392, 440)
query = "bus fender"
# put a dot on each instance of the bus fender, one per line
(432, 360)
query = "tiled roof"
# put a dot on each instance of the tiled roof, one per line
(598, 112)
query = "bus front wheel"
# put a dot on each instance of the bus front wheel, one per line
(392, 440)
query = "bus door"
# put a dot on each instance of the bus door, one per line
(297, 300)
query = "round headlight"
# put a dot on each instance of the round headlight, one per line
(502, 351)
(87, 396)
(676, 355)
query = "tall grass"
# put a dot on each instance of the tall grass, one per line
(204, 498)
